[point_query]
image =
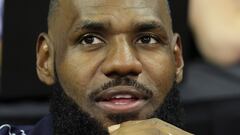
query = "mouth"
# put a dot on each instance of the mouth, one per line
(122, 99)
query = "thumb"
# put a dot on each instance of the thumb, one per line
(113, 128)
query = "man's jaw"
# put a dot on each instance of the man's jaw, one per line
(69, 118)
(66, 112)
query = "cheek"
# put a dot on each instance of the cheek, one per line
(159, 70)
(76, 72)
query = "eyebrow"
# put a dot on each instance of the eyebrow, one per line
(92, 25)
(137, 27)
(149, 25)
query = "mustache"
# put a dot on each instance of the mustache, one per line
(124, 81)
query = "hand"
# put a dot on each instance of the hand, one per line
(146, 127)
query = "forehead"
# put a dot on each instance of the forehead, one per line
(113, 11)
(114, 7)
(117, 4)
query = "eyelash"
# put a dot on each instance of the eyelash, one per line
(159, 40)
(139, 36)
(93, 35)
(147, 35)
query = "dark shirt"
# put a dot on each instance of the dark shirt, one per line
(43, 127)
(206, 82)
(211, 97)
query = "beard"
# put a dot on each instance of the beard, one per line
(70, 119)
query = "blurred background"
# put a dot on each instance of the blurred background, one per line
(210, 91)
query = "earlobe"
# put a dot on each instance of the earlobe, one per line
(179, 62)
(44, 63)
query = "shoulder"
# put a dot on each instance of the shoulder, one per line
(43, 127)
(8, 129)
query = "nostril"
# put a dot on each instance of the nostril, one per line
(117, 75)
(113, 75)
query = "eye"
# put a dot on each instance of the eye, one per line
(147, 39)
(90, 40)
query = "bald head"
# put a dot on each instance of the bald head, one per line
(54, 4)
(52, 7)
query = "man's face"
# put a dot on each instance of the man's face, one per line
(115, 57)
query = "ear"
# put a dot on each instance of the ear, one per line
(177, 49)
(45, 59)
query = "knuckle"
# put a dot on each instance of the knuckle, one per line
(129, 123)
(154, 121)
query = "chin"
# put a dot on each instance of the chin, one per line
(71, 117)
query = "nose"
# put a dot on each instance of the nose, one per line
(121, 61)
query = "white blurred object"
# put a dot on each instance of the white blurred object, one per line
(216, 26)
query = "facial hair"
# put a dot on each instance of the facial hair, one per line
(70, 119)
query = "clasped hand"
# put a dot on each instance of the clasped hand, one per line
(146, 127)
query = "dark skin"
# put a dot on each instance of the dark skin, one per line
(91, 42)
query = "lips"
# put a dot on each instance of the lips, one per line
(121, 99)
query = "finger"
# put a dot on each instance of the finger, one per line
(130, 123)
(147, 131)
(166, 127)
(113, 128)
(138, 131)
